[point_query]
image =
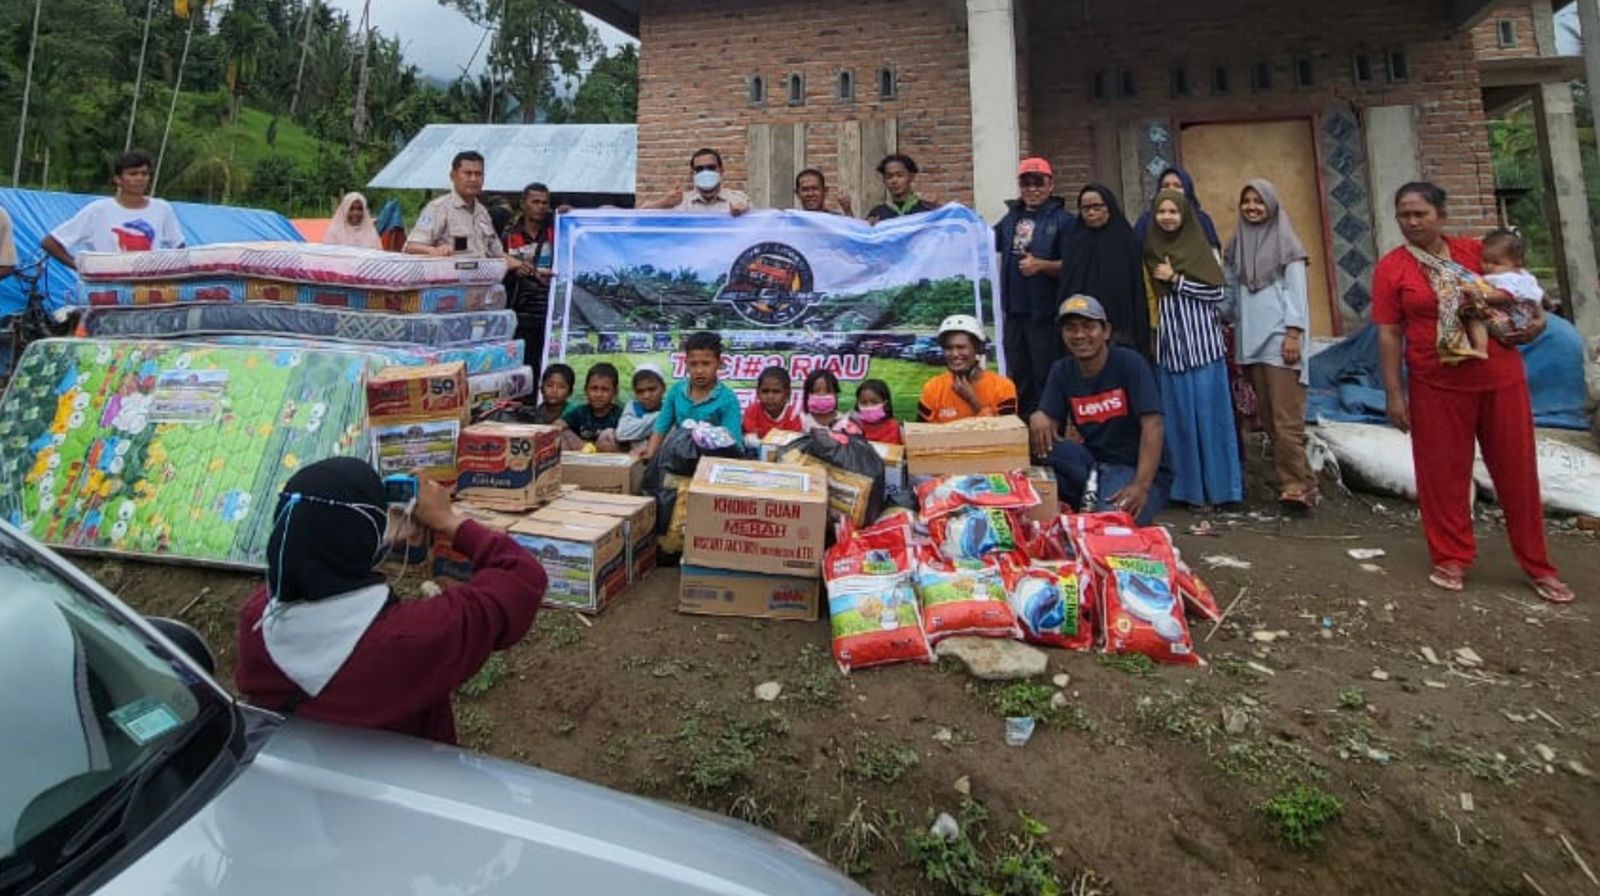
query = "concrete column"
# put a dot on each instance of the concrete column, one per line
(1567, 205)
(996, 130)
(1392, 162)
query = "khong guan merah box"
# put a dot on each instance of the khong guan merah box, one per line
(582, 555)
(638, 515)
(758, 517)
(508, 466)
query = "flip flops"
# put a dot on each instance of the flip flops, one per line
(1552, 590)
(1448, 577)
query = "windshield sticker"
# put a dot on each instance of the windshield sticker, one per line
(145, 720)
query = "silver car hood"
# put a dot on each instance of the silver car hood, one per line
(330, 810)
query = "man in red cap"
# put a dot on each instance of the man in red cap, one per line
(1029, 239)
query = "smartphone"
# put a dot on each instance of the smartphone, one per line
(400, 489)
(461, 244)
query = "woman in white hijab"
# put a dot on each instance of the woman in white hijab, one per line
(1266, 269)
(352, 224)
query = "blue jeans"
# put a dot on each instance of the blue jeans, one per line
(1072, 464)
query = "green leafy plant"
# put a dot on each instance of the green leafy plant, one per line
(1352, 698)
(1128, 663)
(1300, 812)
(487, 676)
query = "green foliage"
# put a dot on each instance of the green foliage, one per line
(717, 763)
(1019, 864)
(1128, 663)
(871, 759)
(494, 669)
(1352, 698)
(1023, 699)
(536, 43)
(1299, 814)
(610, 93)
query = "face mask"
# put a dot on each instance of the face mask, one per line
(822, 404)
(875, 414)
(707, 180)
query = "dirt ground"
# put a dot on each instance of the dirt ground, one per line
(1147, 781)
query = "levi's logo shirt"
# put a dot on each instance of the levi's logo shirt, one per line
(1101, 407)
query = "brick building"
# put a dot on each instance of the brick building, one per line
(1337, 103)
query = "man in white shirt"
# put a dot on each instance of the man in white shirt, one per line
(130, 221)
(707, 194)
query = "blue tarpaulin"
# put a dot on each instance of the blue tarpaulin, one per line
(1347, 386)
(34, 213)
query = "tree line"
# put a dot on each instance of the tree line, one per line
(267, 100)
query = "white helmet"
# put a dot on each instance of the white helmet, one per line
(962, 323)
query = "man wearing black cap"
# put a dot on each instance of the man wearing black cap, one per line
(1101, 413)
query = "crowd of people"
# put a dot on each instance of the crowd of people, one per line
(1126, 345)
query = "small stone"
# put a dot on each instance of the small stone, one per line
(1260, 668)
(944, 735)
(1468, 657)
(1430, 656)
(963, 785)
(1061, 680)
(1264, 637)
(1248, 700)
(1235, 720)
(945, 828)
(1436, 685)
(1325, 633)
(1546, 754)
(724, 638)
(1579, 769)
(1379, 675)
(430, 589)
(1371, 567)
(1519, 719)
(1377, 755)
(768, 691)
(1466, 801)
(995, 659)
(1059, 701)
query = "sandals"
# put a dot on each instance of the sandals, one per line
(1552, 590)
(1299, 498)
(1448, 577)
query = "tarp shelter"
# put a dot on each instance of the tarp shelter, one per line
(313, 229)
(594, 159)
(34, 212)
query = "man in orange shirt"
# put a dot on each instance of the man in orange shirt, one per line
(965, 389)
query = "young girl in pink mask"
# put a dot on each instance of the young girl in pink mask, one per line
(820, 405)
(874, 414)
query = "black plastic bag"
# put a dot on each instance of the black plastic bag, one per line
(849, 453)
(678, 456)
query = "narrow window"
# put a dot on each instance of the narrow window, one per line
(1179, 81)
(1129, 84)
(1361, 67)
(888, 86)
(847, 86)
(1399, 66)
(1305, 72)
(1508, 33)
(758, 90)
(1261, 77)
(1221, 81)
(797, 89)
(1100, 85)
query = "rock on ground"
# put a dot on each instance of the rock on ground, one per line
(995, 659)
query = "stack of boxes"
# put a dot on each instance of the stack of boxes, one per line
(980, 445)
(753, 539)
(415, 416)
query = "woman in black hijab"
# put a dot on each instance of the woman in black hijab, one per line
(1103, 258)
(328, 532)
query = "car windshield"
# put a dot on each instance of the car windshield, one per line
(87, 699)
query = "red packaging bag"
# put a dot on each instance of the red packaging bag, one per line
(946, 494)
(1136, 580)
(872, 607)
(1196, 593)
(1052, 601)
(1047, 541)
(963, 597)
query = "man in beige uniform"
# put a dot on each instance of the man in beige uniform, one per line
(707, 193)
(457, 223)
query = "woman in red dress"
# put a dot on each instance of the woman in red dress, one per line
(1450, 404)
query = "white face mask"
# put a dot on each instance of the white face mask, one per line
(707, 180)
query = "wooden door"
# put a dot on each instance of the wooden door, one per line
(1221, 157)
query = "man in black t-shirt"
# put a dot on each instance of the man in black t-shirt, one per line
(1101, 413)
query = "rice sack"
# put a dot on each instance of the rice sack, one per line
(964, 597)
(972, 533)
(872, 607)
(1052, 602)
(947, 494)
(1135, 576)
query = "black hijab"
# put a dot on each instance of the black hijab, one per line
(327, 531)
(1108, 264)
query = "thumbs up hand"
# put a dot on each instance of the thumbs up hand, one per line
(1028, 264)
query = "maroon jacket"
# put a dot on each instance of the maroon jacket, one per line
(404, 669)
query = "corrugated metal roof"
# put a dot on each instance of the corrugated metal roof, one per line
(570, 158)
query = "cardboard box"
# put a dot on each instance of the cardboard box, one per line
(671, 540)
(757, 517)
(1044, 482)
(581, 553)
(894, 465)
(446, 562)
(848, 492)
(721, 592)
(976, 445)
(407, 446)
(509, 465)
(773, 442)
(618, 474)
(638, 516)
(430, 392)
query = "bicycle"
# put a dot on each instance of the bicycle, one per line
(34, 321)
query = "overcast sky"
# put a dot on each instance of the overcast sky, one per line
(437, 39)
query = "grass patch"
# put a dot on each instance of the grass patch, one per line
(1027, 699)
(1267, 761)
(1128, 663)
(473, 726)
(1021, 863)
(487, 676)
(1352, 698)
(858, 836)
(565, 633)
(1496, 768)
(871, 759)
(818, 683)
(1299, 813)
(716, 763)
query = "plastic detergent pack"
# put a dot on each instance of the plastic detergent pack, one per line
(972, 533)
(1135, 574)
(964, 597)
(1053, 600)
(1003, 491)
(872, 607)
